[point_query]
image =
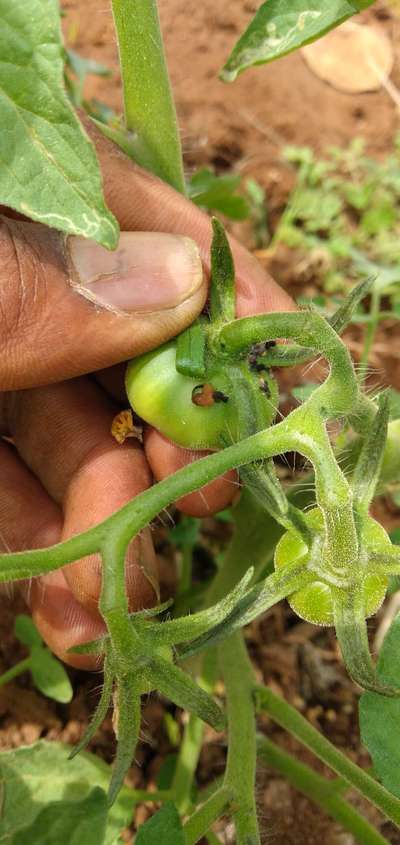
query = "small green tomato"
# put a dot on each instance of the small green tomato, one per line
(314, 602)
(390, 470)
(191, 414)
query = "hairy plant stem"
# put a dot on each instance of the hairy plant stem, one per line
(288, 718)
(320, 790)
(242, 755)
(297, 433)
(190, 748)
(149, 106)
(370, 333)
(201, 820)
(18, 669)
(234, 566)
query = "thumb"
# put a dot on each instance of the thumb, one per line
(69, 306)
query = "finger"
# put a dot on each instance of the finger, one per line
(62, 433)
(29, 519)
(62, 621)
(68, 306)
(142, 202)
(166, 458)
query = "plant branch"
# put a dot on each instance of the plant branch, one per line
(149, 106)
(18, 669)
(240, 771)
(320, 790)
(201, 820)
(288, 718)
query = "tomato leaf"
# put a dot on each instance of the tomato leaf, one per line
(39, 775)
(26, 632)
(394, 403)
(165, 826)
(49, 675)
(380, 716)
(68, 821)
(48, 166)
(218, 193)
(280, 27)
(186, 532)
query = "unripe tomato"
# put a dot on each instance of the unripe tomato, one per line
(390, 470)
(314, 602)
(189, 413)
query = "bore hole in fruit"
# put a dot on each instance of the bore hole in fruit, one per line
(205, 395)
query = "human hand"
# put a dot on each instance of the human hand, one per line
(69, 310)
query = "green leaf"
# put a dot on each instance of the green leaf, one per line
(304, 391)
(167, 770)
(71, 822)
(279, 27)
(49, 675)
(35, 776)
(395, 536)
(186, 532)
(165, 826)
(82, 67)
(394, 398)
(48, 166)
(380, 716)
(26, 632)
(217, 193)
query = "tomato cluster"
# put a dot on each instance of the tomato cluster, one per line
(314, 602)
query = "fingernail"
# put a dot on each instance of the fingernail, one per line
(147, 272)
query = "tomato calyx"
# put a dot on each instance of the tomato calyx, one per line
(345, 601)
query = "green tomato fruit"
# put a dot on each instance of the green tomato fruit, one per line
(167, 400)
(390, 469)
(314, 602)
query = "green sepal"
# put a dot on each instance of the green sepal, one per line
(262, 480)
(175, 631)
(186, 628)
(127, 730)
(386, 559)
(98, 646)
(191, 351)
(101, 710)
(257, 600)
(222, 287)
(179, 687)
(352, 634)
(345, 313)
(368, 467)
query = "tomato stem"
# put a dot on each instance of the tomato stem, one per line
(149, 106)
(281, 712)
(320, 790)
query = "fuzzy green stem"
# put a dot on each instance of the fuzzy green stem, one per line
(288, 718)
(149, 105)
(185, 569)
(212, 838)
(18, 669)
(242, 755)
(125, 523)
(370, 333)
(190, 748)
(320, 790)
(201, 820)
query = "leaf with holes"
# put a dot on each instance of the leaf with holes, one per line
(280, 27)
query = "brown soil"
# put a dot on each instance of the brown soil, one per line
(242, 126)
